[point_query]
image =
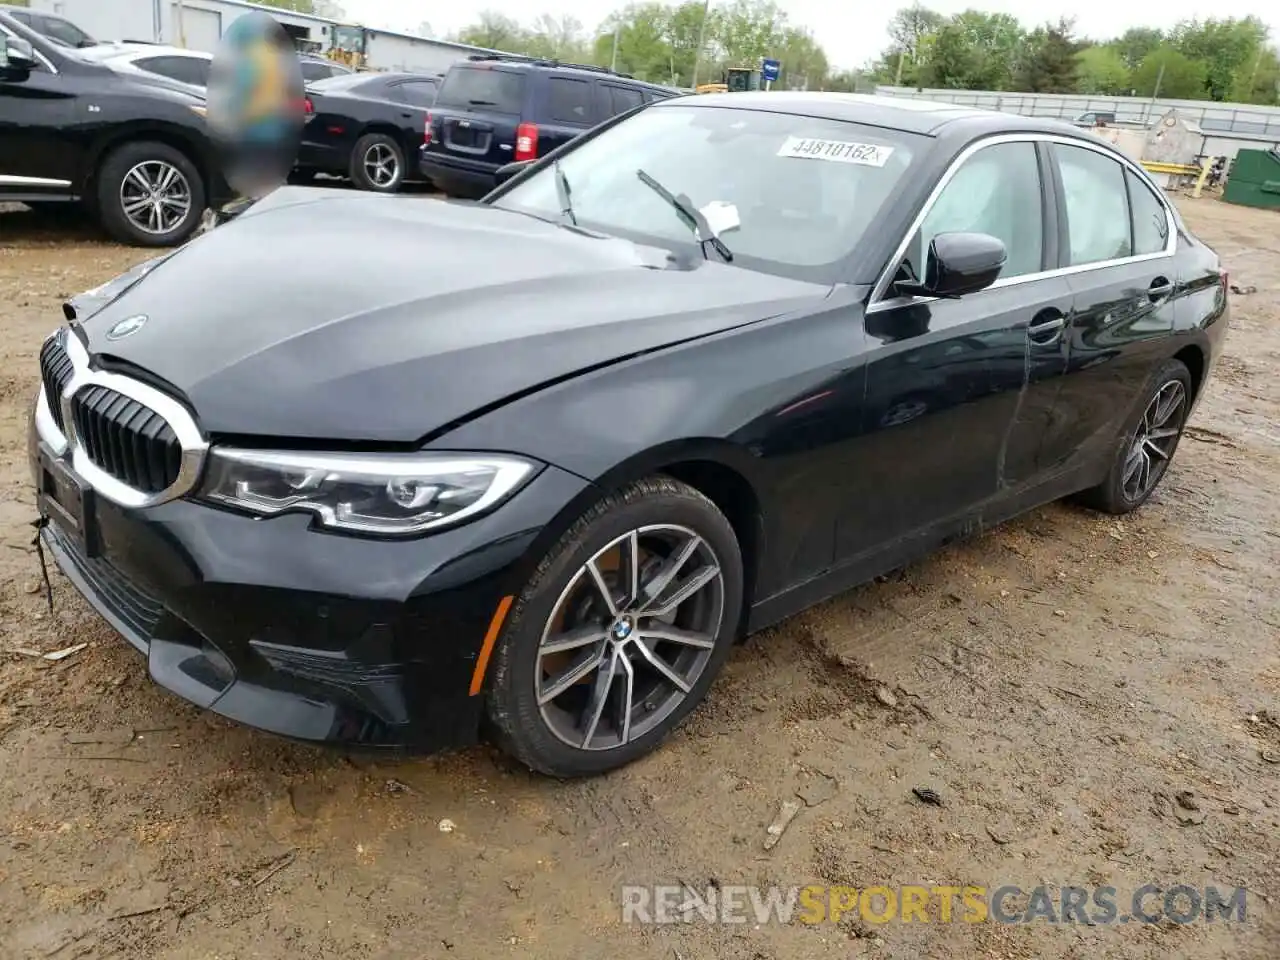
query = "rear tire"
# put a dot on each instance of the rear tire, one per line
(1145, 448)
(377, 164)
(149, 195)
(672, 531)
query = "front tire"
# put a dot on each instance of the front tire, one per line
(1145, 449)
(619, 633)
(377, 164)
(149, 195)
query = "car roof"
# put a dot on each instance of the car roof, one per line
(926, 117)
(556, 66)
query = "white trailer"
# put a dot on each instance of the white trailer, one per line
(200, 25)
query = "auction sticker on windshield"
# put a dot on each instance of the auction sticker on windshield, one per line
(837, 151)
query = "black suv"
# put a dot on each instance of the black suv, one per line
(134, 149)
(493, 110)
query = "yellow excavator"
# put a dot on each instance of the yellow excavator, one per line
(349, 46)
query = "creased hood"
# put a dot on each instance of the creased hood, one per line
(319, 314)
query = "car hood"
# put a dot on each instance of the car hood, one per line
(321, 314)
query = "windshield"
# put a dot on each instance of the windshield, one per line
(495, 91)
(787, 194)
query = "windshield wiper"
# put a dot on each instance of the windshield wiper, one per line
(692, 217)
(564, 193)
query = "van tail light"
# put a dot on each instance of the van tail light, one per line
(426, 133)
(526, 141)
(308, 107)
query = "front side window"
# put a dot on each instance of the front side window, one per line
(787, 194)
(64, 31)
(996, 191)
(1150, 219)
(1097, 205)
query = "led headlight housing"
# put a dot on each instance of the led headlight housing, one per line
(370, 494)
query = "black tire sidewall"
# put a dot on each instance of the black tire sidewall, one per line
(513, 709)
(358, 176)
(116, 166)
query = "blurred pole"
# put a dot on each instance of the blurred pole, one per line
(617, 32)
(182, 33)
(1155, 95)
(702, 38)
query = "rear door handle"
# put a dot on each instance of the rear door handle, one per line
(1159, 289)
(1046, 327)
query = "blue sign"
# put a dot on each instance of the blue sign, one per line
(770, 69)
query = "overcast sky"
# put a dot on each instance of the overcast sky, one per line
(852, 33)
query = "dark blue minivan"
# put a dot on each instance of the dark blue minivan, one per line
(492, 110)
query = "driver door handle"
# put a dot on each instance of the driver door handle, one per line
(1046, 326)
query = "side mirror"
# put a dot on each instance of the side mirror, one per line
(17, 58)
(957, 264)
(509, 170)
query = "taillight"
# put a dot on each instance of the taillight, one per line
(526, 141)
(308, 107)
(1225, 278)
(426, 133)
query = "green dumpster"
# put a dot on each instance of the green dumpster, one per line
(1255, 179)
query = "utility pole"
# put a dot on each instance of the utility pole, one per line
(897, 80)
(1154, 95)
(617, 32)
(182, 33)
(702, 38)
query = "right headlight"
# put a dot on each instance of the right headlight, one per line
(372, 494)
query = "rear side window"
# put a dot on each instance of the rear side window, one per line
(1150, 220)
(417, 93)
(194, 70)
(622, 99)
(570, 100)
(312, 71)
(1097, 205)
(483, 88)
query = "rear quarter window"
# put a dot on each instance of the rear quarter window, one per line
(482, 88)
(569, 100)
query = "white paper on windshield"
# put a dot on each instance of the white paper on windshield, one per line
(722, 216)
(836, 151)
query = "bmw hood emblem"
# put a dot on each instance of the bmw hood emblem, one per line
(127, 326)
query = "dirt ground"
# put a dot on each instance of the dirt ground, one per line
(1058, 682)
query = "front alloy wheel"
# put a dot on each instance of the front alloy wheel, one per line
(620, 632)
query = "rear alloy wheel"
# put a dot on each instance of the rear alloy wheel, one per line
(377, 164)
(150, 195)
(1143, 458)
(620, 632)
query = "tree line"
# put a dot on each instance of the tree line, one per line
(1228, 59)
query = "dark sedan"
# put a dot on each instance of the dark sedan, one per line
(363, 126)
(533, 465)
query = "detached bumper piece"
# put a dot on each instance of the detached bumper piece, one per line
(302, 694)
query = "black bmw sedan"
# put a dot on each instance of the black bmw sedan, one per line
(529, 467)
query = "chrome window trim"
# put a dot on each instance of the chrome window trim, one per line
(879, 301)
(193, 443)
(39, 56)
